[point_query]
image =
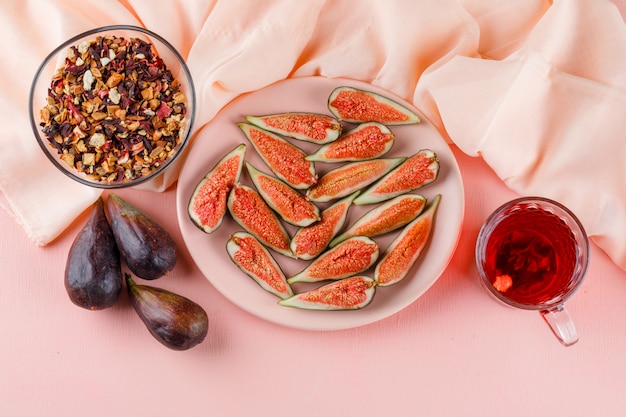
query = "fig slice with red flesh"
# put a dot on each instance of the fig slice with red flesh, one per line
(251, 212)
(308, 242)
(286, 161)
(417, 171)
(387, 217)
(350, 257)
(366, 141)
(207, 204)
(351, 177)
(254, 260)
(309, 127)
(293, 207)
(359, 106)
(346, 294)
(403, 252)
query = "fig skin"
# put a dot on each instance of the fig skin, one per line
(286, 160)
(175, 321)
(253, 259)
(350, 178)
(291, 206)
(366, 141)
(251, 212)
(309, 127)
(207, 204)
(310, 241)
(403, 252)
(350, 257)
(385, 218)
(353, 293)
(354, 105)
(146, 247)
(417, 171)
(93, 274)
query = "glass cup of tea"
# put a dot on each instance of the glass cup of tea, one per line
(532, 253)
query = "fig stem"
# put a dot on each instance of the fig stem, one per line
(129, 280)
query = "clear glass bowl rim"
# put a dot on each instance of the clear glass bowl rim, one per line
(191, 97)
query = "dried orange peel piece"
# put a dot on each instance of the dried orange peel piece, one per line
(502, 283)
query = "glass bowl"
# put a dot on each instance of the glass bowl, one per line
(112, 107)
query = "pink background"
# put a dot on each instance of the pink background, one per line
(454, 352)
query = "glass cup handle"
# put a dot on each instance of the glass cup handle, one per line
(561, 324)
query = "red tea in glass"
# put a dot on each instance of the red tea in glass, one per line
(532, 253)
(530, 256)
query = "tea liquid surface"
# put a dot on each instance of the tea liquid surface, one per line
(530, 256)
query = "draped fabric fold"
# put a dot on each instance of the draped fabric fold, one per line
(549, 118)
(534, 87)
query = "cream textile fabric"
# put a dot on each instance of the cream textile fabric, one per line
(550, 117)
(534, 87)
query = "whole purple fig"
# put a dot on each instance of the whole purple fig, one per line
(147, 248)
(93, 274)
(172, 319)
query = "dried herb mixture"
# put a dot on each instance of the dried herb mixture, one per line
(114, 110)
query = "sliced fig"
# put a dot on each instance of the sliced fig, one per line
(417, 171)
(359, 106)
(350, 257)
(385, 218)
(147, 248)
(207, 205)
(291, 206)
(254, 260)
(308, 242)
(309, 127)
(251, 212)
(286, 161)
(351, 177)
(175, 321)
(403, 252)
(93, 272)
(366, 141)
(346, 294)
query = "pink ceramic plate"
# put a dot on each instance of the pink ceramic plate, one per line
(310, 94)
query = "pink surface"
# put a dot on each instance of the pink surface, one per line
(453, 352)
